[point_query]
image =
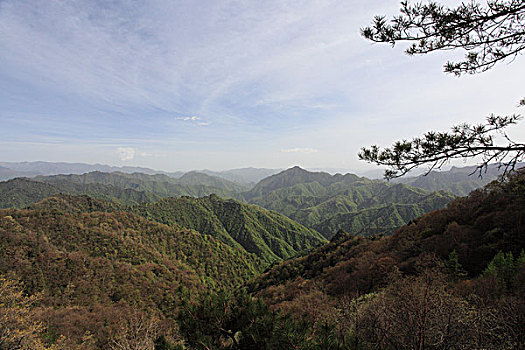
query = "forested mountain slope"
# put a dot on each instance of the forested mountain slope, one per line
(101, 228)
(454, 278)
(295, 176)
(269, 235)
(119, 187)
(191, 184)
(328, 203)
(476, 228)
(22, 192)
(91, 265)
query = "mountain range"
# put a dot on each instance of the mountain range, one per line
(55, 168)
(475, 228)
(320, 201)
(117, 186)
(457, 180)
(329, 203)
(10, 170)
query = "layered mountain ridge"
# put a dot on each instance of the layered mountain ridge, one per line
(329, 203)
(320, 201)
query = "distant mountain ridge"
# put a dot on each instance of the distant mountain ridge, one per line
(458, 180)
(294, 176)
(9, 170)
(55, 168)
(146, 181)
(328, 203)
(117, 186)
(22, 192)
(7, 174)
(245, 176)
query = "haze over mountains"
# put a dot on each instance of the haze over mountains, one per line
(55, 168)
(457, 180)
(10, 170)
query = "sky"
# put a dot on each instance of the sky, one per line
(181, 85)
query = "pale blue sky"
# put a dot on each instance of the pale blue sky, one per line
(178, 85)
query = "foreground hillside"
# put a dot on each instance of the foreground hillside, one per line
(91, 266)
(328, 203)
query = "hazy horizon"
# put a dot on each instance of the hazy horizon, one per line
(328, 170)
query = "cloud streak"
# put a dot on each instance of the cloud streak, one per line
(193, 120)
(154, 55)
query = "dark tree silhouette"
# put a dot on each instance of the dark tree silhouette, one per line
(437, 148)
(489, 34)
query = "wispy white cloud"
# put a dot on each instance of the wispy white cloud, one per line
(192, 118)
(149, 154)
(299, 150)
(126, 153)
(129, 153)
(153, 54)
